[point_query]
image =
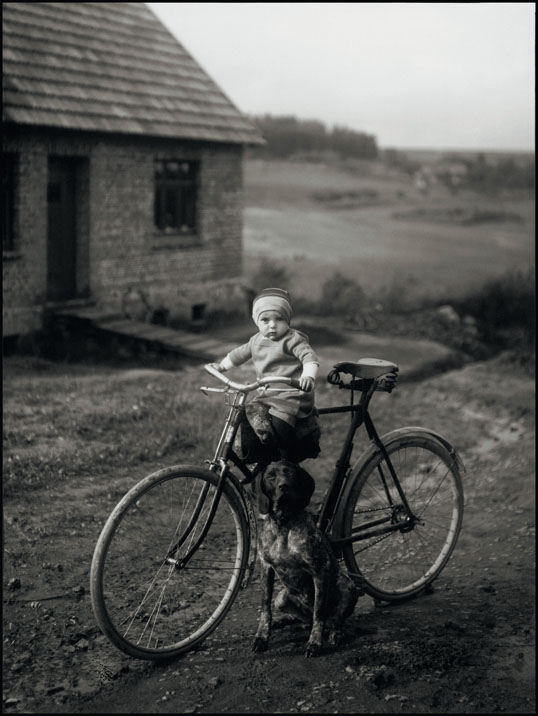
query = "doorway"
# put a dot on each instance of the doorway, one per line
(62, 229)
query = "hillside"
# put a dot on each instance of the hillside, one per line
(372, 222)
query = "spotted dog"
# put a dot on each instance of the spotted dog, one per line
(314, 589)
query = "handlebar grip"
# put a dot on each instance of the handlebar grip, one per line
(294, 383)
(212, 370)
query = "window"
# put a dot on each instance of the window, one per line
(9, 164)
(175, 196)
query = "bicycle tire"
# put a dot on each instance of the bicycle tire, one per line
(398, 565)
(147, 607)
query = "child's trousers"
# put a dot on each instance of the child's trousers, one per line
(285, 434)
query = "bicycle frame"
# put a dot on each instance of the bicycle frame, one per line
(331, 502)
(359, 415)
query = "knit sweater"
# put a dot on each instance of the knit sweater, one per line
(291, 356)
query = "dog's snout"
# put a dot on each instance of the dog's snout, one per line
(283, 487)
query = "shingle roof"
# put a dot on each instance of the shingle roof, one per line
(110, 67)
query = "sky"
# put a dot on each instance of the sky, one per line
(414, 75)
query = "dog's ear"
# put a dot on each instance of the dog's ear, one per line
(307, 485)
(264, 503)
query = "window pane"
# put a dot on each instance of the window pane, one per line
(171, 208)
(172, 170)
(188, 208)
(158, 208)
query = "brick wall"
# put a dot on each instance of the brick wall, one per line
(24, 279)
(118, 246)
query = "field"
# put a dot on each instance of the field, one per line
(374, 225)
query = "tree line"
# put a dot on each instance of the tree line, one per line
(287, 135)
(505, 173)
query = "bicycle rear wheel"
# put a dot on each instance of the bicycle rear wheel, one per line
(399, 564)
(144, 600)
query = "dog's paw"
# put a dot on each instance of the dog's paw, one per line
(312, 649)
(260, 644)
(334, 637)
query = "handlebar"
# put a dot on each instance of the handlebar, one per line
(249, 387)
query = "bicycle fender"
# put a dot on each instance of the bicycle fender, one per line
(409, 431)
(413, 429)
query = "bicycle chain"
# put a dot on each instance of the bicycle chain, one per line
(374, 543)
(375, 509)
(378, 509)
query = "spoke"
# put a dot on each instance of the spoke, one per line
(434, 493)
(154, 614)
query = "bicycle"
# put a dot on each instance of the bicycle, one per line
(181, 543)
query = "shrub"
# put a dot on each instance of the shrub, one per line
(402, 294)
(342, 296)
(504, 308)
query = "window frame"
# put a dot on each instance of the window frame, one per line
(178, 194)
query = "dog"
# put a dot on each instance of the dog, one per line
(314, 588)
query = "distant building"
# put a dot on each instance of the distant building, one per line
(122, 165)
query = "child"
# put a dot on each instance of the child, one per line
(279, 350)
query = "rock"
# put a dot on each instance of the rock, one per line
(392, 697)
(54, 689)
(383, 677)
(11, 701)
(14, 584)
(448, 315)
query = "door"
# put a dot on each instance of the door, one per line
(61, 230)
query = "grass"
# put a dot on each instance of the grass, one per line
(64, 421)
(86, 421)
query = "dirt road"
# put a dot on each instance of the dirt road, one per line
(466, 648)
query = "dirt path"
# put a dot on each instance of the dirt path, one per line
(466, 648)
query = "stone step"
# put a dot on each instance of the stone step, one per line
(193, 345)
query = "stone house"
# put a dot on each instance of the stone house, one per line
(122, 166)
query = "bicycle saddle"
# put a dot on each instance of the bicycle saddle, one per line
(366, 368)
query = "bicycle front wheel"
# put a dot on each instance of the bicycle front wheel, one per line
(148, 602)
(397, 564)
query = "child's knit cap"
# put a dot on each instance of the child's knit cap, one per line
(272, 299)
